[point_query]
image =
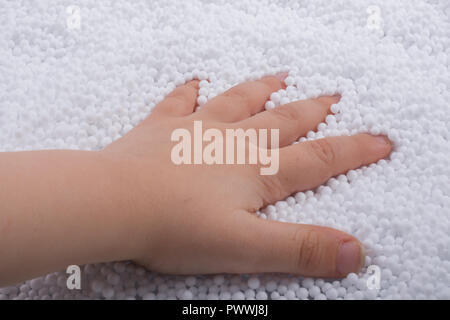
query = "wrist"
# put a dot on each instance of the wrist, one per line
(139, 203)
(117, 205)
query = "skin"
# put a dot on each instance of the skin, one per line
(129, 201)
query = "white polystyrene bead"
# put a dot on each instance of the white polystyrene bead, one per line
(332, 294)
(238, 296)
(253, 283)
(201, 100)
(261, 295)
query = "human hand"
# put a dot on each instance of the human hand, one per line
(191, 219)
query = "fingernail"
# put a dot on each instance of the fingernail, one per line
(282, 75)
(337, 95)
(350, 257)
(383, 140)
(336, 98)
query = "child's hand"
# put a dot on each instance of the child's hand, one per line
(190, 219)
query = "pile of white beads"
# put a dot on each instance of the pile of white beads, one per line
(82, 78)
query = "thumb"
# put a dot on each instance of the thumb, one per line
(311, 251)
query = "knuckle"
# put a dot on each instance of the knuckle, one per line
(270, 83)
(324, 151)
(236, 102)
(308, 250)
(181, 94)
(272, 188)
(176, 99)
(236, 96)
(285, 113)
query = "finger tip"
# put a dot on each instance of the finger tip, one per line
(337, 97)
(330, 100)
(376, 147)
(194, 83)
(383, 144)
(350, 257)
(281, 76)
